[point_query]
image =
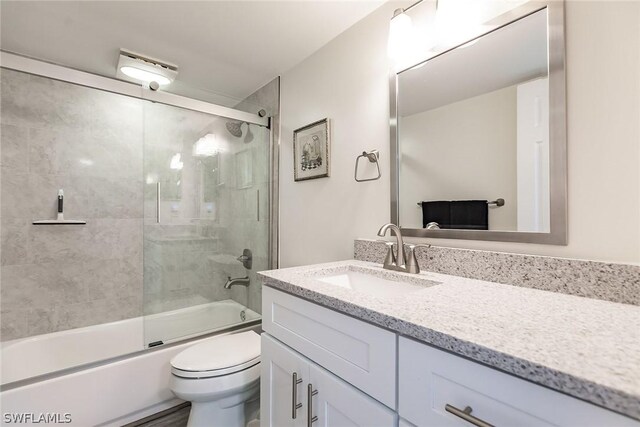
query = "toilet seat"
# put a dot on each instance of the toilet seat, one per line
(182, 373)
(218, 356)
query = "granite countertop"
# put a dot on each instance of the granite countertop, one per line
(586, 348)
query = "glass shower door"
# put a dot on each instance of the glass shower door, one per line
(206, 204)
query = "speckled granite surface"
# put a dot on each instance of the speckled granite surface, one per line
(583, 347)
(591, 279)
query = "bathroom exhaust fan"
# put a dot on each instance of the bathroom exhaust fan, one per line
(143, 69)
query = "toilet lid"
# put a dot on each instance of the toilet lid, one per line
(220, 354)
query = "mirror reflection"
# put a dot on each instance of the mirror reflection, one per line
(473, 132)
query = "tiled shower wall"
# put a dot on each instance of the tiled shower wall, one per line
(54, 136)
(90, 143)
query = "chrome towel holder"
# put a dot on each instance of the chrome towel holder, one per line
(373, 156)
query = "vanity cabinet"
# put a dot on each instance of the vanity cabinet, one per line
(368, 376)
(297, 392)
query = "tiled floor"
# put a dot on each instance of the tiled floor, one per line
(179, 415)
(174, 417)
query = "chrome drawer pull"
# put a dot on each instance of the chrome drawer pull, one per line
(310, 393)
(465, 414)
(294, 394)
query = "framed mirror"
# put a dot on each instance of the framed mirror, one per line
(478, 131)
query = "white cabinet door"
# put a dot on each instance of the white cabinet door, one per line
(336, 403)
(280, 393)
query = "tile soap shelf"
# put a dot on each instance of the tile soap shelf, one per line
(60, 218)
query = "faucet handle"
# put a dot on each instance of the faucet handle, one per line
(390, 258)
(412, 261)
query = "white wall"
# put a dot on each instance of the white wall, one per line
(462, 151)
(346, 81)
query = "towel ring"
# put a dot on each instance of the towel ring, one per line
(373, 156)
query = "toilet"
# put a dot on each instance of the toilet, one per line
(218, 376)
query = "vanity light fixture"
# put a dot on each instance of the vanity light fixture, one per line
(457, 21)
(142, 69)
(400, 36)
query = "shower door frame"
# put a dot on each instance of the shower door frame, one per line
(17, 62)
(58, 72)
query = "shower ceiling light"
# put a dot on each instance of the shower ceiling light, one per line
(145, 76)
(139, 68)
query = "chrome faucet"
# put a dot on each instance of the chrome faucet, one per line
(392, 261)
(400, 261)
(242, 281)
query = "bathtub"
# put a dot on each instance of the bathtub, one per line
(103, 374)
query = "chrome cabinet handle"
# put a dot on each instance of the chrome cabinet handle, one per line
(465, 414)
(310, 393)
(294, 394)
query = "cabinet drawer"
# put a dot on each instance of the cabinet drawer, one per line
(361, 354)
(431, 379)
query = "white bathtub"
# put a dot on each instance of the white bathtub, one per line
(126, 389)
(41, 354)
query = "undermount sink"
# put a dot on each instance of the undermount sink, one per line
(368, 283)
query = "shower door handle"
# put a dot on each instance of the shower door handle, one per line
(158, 202)
(294, 395)
(258, 205)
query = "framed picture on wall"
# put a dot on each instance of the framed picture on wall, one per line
(311, 151)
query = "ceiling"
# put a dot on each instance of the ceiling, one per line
(510, 55)
(225, 50)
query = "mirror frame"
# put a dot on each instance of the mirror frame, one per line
(557, 134)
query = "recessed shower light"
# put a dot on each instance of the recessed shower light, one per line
(143, 69)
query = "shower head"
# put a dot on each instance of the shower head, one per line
(234, 128)
(248, 136)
